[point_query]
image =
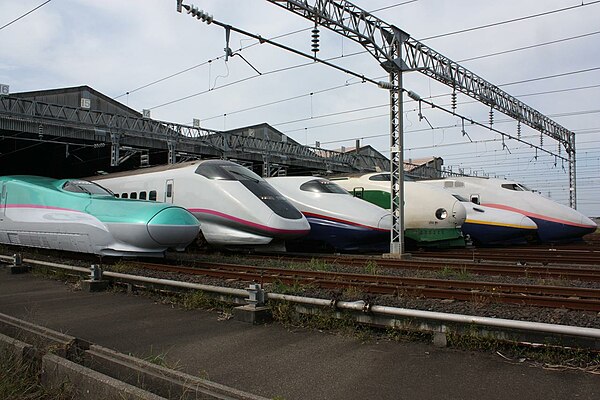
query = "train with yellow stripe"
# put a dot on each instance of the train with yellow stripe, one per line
(555, 222)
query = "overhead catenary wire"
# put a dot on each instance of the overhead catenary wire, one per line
(362, 52)
(508, 21)
(24, 15)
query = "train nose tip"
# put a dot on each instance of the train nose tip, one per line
(527, 223)
(590, 225)
(385, 222)
(174, 227)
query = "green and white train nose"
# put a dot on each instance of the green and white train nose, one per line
(173, 227)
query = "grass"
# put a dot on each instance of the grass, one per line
(554, 357)
(20, 381)
(450, 273)
(372, 268)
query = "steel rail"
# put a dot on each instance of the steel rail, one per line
(544, 296)
(461, 265)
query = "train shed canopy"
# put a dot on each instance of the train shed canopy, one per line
(78, 131)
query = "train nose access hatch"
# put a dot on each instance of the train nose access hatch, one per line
(173, 226)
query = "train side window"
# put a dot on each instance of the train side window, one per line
(142, 195)
(152, 195)
(133, 195)
(117, 195)
(475, 199)
(124, 195)
(169, 190)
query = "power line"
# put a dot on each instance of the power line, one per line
(533, 46)
(24, 15)
(551, 76)
(509, 21)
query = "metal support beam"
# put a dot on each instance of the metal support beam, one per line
(171, 144)
(397, 163)
(114, 149)
(379, 39)
(572, 175)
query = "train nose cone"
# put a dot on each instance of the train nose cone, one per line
(589, 225)
(173, 227)
(459, 212)
(527, 223)
(385, 222)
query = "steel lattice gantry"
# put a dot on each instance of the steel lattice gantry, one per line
(59, 121)
(397, 52)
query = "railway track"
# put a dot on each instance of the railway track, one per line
(485, 292)
(522, 256)
(491, 267)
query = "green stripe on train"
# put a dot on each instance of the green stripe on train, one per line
(446, 237)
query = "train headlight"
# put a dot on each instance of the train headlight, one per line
(441, 213)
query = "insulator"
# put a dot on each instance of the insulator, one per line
(454, 101)
(315, 40)
(541, 140)
(519, 130)
(491, 116)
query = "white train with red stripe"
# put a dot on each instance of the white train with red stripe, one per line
(235, 206)
(555, 222)
(338, 220)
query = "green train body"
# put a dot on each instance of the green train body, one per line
(78, 215)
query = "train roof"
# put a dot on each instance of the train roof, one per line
(141, 171)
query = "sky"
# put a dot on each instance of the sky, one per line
(146, 55)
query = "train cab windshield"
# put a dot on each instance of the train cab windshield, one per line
(80, 186)
(322, 186)
(386, 177)
(225, 170)
(460, 198)
(516, 186)
(381, 177)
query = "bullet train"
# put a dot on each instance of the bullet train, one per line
(487, 226)
(555, 222)
(81, 216)
(432, 217)
(235, 206)
(338, 221)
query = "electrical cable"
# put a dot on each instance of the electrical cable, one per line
(510, 21)
(24, 15)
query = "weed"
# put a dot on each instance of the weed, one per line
(446, 272)
(372, 268)
(353, 292)
(20, 381)
(122, 267)
(555, 357)
(462, 274)
(316, 264)
(161, 360)
(197, 299)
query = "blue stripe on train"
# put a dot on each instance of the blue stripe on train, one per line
(485, 234)
(347, 237)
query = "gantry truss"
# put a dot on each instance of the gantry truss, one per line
(397, 52)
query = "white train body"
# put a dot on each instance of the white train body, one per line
(431, 215)
(235, 206)
(555, 222)
(492, 226)
(337, 219)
